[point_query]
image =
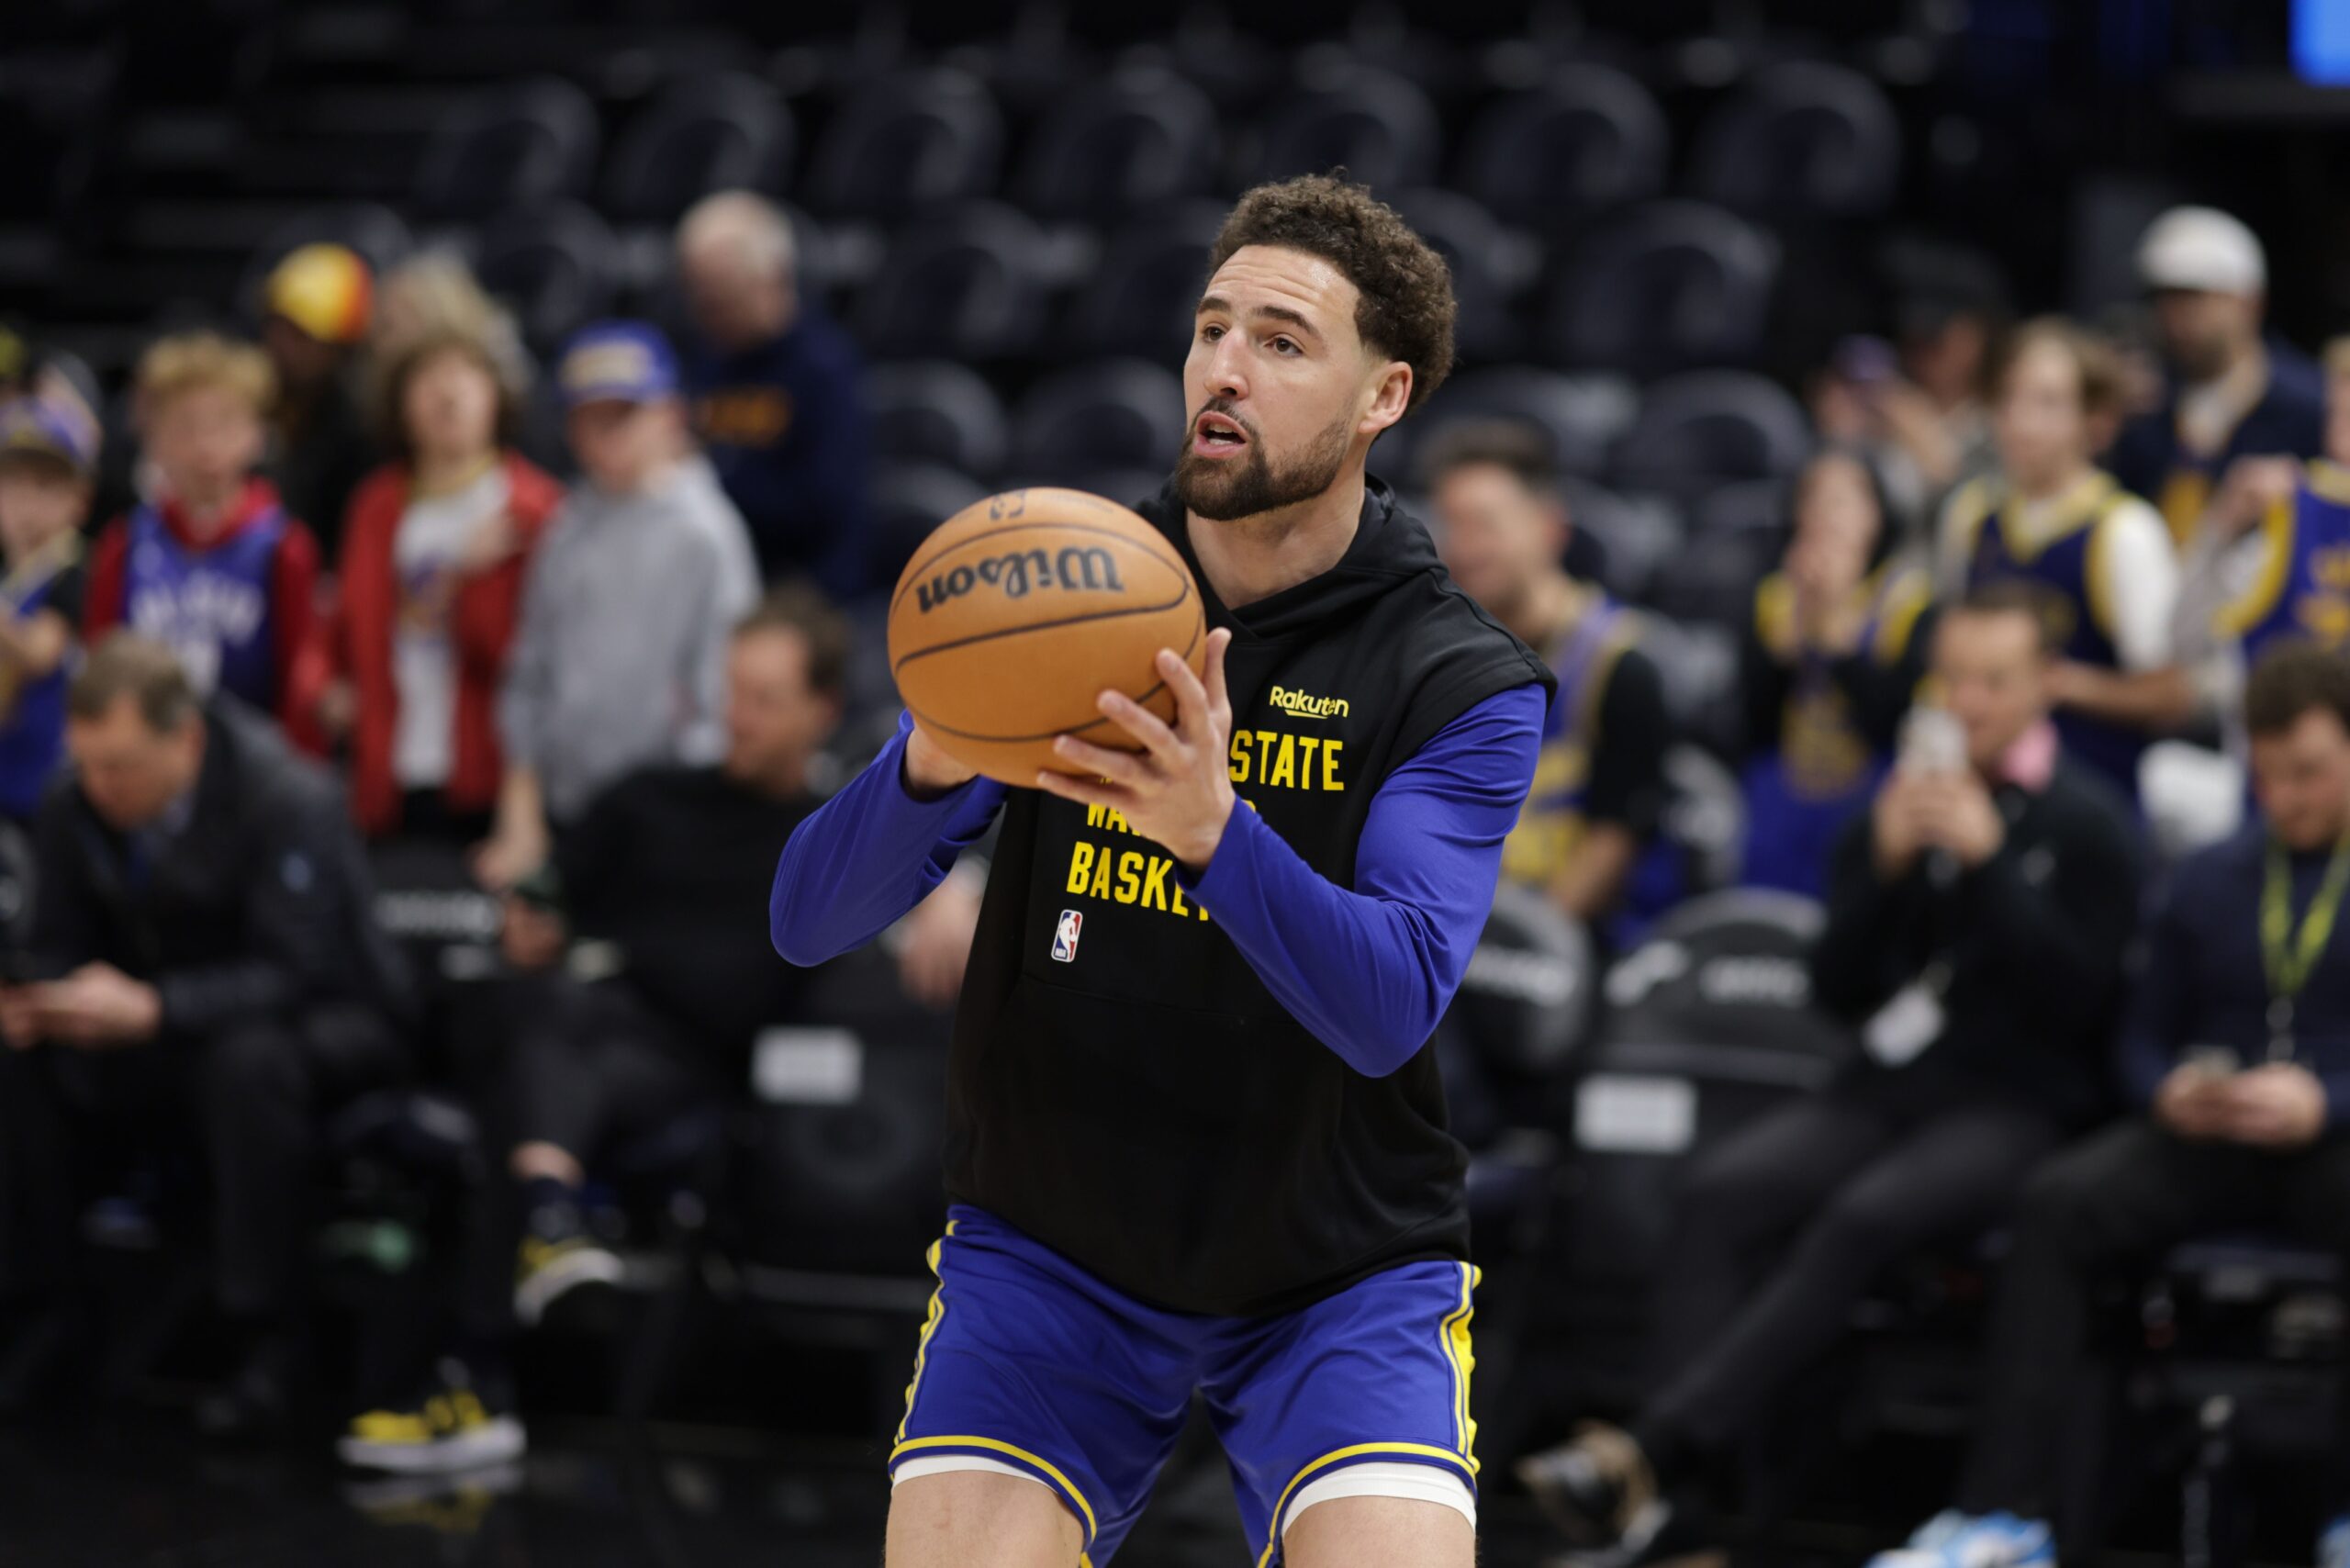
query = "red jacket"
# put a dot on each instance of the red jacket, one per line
(482, 621)
(295, 626)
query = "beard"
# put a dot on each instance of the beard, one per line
(1226, 489)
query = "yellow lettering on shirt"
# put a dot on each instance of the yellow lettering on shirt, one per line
(1129, 876)
(1154, 883)
(1240, 756)
(1285, 764)
(1101, 888)
(1080, 864)
(1330, 779)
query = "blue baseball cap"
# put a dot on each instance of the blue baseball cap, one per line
(50, 428)
(624, 362)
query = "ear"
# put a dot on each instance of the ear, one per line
(1390, 394)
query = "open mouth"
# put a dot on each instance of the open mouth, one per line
(1217, 436)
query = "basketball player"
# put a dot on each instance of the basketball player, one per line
(1195, 1145)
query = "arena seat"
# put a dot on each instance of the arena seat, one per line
(1637, 534)
(935, 411)
(705, 133)
(1666, 287)
(1701, 429)
(1119, 413)
(906, 143)
(964, 283)
(908, 500)
(1582, 416)
(1802, 139)
(557, 268)
(1123, 144)
(515, 146)
(1141, 297)
(1490, 268)
(1380, 128)
(1588, 138)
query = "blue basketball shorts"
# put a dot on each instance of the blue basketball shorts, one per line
(1031, 1366)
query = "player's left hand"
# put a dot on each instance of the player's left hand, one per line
(1177, 790)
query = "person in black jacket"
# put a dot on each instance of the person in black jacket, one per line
(204, 928)
(2236, 1048)
(1977, 919)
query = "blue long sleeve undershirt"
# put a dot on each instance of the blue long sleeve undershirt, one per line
(1368, 970)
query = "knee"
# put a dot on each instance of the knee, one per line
(2062, 1208)
(971, 1519)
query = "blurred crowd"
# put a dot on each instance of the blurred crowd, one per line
(2041, 620)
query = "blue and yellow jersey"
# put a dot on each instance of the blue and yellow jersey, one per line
(1824, 754)
(1551, 823)
(2303, 586)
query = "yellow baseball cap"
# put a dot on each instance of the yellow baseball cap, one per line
(326, 290)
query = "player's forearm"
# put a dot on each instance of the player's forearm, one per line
(867, 856)
(2153, 700)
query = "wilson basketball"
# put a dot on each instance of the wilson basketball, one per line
(1020, 610)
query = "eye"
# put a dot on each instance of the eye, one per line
(1211, 333)
(1286, 346)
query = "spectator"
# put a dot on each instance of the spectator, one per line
(49, 456)
(775, 393)
(205, 913)
(318, 300)
(1829, 665)
(2099, 554)
(2231, 393)
(431, 586)
(214, 567)
(2237, 1049)
(1599, 785)
(1977, 923)
(620, 660)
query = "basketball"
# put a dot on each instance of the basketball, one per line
(1020, 610)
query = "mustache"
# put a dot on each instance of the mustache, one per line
(1229, 409)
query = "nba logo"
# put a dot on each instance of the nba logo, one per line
(1064, 936)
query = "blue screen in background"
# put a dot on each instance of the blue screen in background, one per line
(2321, 41)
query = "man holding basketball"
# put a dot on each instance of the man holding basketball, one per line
(1195, 1143)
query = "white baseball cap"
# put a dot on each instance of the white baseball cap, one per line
(2201, 247)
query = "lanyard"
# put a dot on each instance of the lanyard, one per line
(2285, 954)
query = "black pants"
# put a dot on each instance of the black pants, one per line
(246, 1101)
(2117, 1202)
(1780, 1229)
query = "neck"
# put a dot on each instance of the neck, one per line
(1550, 603)
(1253, 558)
(438, 473)
(2054, 483)
(2247, 360)
(207, 507)
(778, 781)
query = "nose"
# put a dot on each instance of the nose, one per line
(1225, 377)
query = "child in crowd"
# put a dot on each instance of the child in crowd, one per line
(48, 453)
(211, 563)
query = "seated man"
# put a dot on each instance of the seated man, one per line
(206, 908)
(668, 872)
(1977, 921)
(2237, 1045)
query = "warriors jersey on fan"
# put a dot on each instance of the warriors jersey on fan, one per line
(2301, 586)
(1195, 1143)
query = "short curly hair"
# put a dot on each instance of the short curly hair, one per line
(1407, 307)
(2294, 677)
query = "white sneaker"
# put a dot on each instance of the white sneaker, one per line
(1953, 1539)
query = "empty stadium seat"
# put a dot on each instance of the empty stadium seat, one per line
(1142, 297)
(1581, 415)
(934, 411)
(1803, 138)
(555, 267)
(1699, 431)
(1120, 413)
(1588, 138)
(908, 142)
(1637, 534)
(968, 283)
(1490, 268)
(1382, 130)
(722, 131)
(1117, 146)
(1667, 287)
(518, 145)
(909, 499)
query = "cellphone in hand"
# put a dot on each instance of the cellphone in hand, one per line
(1932, 741)
(2214, 1061)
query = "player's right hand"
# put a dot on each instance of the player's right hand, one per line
(929, 771)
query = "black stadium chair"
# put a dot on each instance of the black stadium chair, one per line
(1668, 287)
(1120, 413)
(934, 411)
(968, 283)
(555, 267)
(1587, 139)
(1582, 416)
(1637, 534)
(1382, 130)
(1802, 140)
(906, 143)
(518, 145)
(908, 500)
(722, 131)
(1704, 428)
(1490, 268)
(1141, 298)
(1142, 137)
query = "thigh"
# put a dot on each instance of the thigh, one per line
(1776, 1170)
(2314, 1193)
(1031, 1370)
(1381, 1532)
(1953, 1173)
(2132, 1190)
(1359, 1398)
(979, 1519)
